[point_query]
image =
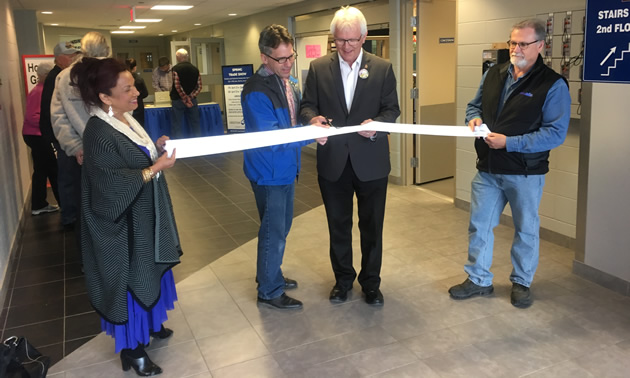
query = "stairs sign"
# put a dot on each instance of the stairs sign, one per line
(607, 41)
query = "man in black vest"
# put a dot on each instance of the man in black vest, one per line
(352, 87)
(527, 107)
(186, 87)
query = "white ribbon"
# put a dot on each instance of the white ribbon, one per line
(237, 142)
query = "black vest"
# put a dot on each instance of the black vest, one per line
(521, 114)
(188, 76)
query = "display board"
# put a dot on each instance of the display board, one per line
(233, 79)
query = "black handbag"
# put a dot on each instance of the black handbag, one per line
(20, 359)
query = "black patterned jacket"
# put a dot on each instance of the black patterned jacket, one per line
(128, 234)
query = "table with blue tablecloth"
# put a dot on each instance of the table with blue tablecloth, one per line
(157, 121)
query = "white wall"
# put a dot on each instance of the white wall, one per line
(481, 23)
(604, 207)
(14, 160)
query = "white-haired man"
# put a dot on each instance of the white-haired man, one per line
(351, 87)
(527, 107)
(186, 87)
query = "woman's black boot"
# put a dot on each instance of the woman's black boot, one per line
(163, 333)
(139, 361)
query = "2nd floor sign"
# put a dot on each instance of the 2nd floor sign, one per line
(607, 41)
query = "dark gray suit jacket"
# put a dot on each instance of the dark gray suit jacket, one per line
(374, 98)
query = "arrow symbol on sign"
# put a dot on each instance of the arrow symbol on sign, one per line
(612, 51)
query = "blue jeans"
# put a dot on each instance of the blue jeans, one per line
(192, 120)
(275, 207)
(490, 194)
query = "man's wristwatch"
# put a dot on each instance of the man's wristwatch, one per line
(373, 137)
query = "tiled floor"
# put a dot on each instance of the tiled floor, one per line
(215, 212)
(574, 328)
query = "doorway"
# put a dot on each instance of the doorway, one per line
(435, 58)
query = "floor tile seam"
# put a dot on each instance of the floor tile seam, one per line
(44, 282)
(184, 313)
(554, 364)
(210, 370)
(336, 358)
(309, 342)
(10, 291)
(86, 366)
(36, 323)
(81, 338)
(213, 217)
(398, 367)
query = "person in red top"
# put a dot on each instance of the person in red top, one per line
(44, 159)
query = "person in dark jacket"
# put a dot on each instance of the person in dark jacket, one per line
(129, 240)
(527, 107)
(186, 88)
(351, 87)
(64, 55)
(270, 101)
(141, 87)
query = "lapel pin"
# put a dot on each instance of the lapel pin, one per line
(363, 73)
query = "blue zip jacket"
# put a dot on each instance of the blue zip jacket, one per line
(265, 108)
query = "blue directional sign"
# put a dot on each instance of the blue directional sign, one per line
(607, 41)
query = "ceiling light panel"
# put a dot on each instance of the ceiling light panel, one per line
(171, 7)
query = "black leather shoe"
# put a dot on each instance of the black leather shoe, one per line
(469, 289)
(163, 333)
(143, 366)
(283, 302)
(338, 294)
(521, 296)
(290, 284)
(374, 297)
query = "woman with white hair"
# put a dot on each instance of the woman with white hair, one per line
(44, 160)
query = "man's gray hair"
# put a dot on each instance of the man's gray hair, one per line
(539, 27)
(347, 17)
(94, 45)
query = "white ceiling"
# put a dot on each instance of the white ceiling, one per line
(111, 14)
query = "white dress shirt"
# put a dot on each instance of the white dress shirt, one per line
(349, 75)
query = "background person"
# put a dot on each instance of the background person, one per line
(42, 151)
(527, 107)
(69, 117)
(129, 239)
(186, 87)
(138, 113)
(64, 55)
(351, 87)
(162, 77)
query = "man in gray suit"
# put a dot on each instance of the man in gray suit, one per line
(346, 88)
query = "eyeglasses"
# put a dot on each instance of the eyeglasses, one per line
(522, 45)
(352, 42)
(283, 60)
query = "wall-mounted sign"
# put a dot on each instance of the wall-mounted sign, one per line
(29, 67)
(233, 79)
(447, 40)
(607, 41)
